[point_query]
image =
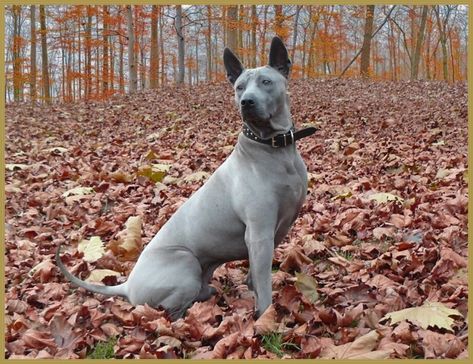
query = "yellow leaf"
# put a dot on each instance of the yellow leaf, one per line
(37, 267)
(342, 196)
(155, 172)
(383, 197)
(307, 286)
(196, 177)
(309, 124)
(429, 314)
(128, 245)
(97, 275)
(78, 191)
(93, 249)
(151, 155)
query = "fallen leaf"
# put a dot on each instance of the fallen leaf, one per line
(15, 167)
(383, 197)
(78, 191)
(152, 172)
(361, 348)
(92, 249)
(307, 286)
(437, 345)
(128, 244)
(430, 314)
(97, 275)
(196, 177)
(266, 323)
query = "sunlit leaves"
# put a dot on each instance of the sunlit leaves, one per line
(92, 249)
(430, 314)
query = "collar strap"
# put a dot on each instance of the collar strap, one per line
(280, 140)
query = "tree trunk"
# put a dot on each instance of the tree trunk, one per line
(392, 51)
(209, 42)
(154, 60)
(254, 24)
(79, 53)
(44, 55)
(365, 49)
(443, 40)
(88, 53)
(452, 59)
(161, 45)
(371, 37)
(427, 51)
(111, 73)
(33, 53)
(17, 87)
(232, 31)
(304, 43)
(105, 63)
(98, 59)
(263, 57)
(294, 35)
(240, 23)
(142, 64)
(121, 76)
(180, 45)
(133, 80)
(196, 58)
(311, 56)
(419, 41)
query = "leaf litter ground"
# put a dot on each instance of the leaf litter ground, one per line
(384, 227)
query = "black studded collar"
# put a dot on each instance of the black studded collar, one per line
(280, 140)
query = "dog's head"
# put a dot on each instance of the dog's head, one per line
(261, 93)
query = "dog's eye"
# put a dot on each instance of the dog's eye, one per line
(239, 87)
(267, 82)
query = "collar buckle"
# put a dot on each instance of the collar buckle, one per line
(273, 142)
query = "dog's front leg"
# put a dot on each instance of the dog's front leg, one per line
(260, 244)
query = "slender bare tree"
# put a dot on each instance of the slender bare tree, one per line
(133, 79)
(154, 61)
(180, 45)
(44, 55)
(419, 42)
(33, 53)
(366, 48)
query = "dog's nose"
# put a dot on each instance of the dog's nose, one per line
(247, 102)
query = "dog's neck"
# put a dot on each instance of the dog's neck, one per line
(277, 141)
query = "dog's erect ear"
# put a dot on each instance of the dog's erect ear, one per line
(232, 64)
(278, 57)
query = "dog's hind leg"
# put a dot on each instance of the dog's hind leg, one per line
(207, 291)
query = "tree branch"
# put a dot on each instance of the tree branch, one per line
(372, 36)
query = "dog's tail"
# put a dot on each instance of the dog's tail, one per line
(119, 290)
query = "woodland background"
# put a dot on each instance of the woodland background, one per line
(115, 115)
(65, 53)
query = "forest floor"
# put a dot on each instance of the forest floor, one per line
(384, 227)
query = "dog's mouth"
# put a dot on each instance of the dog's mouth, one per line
(255, 117)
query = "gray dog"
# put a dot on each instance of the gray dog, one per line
(243, 211)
